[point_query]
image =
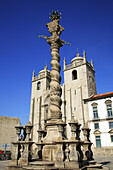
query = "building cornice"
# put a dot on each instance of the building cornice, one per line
(99, 96)
(70, 66)
(37, 78)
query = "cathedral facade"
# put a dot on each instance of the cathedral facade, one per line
(79, 83)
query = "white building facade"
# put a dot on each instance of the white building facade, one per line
(79, 83)
(101, 122)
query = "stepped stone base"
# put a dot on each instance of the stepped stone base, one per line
(49, 152)
(41, 163)
(72, 164)
(46, 165)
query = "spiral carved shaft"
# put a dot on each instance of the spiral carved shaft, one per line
(55, 93)
(55, 42)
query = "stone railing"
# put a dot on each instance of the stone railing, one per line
(43, 75)
(72, 154)
(73, 65)
(21, 153)
(36, 78)
(68, 66)
(77, 64)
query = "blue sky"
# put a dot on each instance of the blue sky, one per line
(88, 25)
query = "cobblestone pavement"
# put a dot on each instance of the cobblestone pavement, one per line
(106, 161)
(3, 164)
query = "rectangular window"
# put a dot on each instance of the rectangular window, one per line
(75, 92)
(110, 125)
(3, 146)
(98, 142)
(95, 112)
(111, 138)
(96, 125)
(38, 85)
(109, 110)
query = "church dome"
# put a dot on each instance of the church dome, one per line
(77, 59)
(45, 69)
(42, 71)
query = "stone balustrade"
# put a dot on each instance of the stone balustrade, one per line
(21, 153)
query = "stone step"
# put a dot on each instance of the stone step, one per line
(41, 163)
(39, 168)
(93, 167)
(96, 166)
(92, 162)
(46, 168)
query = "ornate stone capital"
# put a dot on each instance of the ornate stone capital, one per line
(55, 29)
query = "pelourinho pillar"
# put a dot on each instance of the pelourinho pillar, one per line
(55, 88)
(55, 124)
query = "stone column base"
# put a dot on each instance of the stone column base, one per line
(49, 152)
(71, 164)
(22, 162)
(13, 163)
(59, 164)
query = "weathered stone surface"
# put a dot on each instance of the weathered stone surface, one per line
(52, 142)
(72, 164)
(7, 131)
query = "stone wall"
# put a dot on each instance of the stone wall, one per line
(104, 151)
(7, 131)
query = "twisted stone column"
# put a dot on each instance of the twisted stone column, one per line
(54, 126)
(55, 93)
(55, 42)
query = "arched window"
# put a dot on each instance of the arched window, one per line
(38, 85)
(74, 75)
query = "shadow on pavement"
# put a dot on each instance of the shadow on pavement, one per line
(105, 163)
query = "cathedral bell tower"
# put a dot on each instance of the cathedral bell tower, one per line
(79, 81)
(39, 101)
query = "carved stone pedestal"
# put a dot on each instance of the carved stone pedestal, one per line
(51, 151)
(14, 155)
(87, 153)
(72, 164)
(21, 154)
(86, 146)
